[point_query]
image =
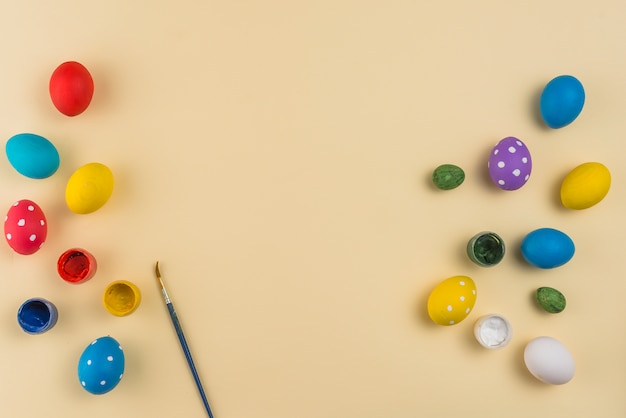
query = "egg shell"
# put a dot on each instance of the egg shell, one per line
(25, 227)
(547, 248)
(562, 100)
(549, 360)
(101, 365)
(448, 176)
(550, 299)
(71, 88)
(32, 155)
(452, 300)
(585, 186)
(89, 188)
(509, 163)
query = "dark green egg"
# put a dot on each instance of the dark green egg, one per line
(448, 176)
(550, 299)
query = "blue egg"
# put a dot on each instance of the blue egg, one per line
(101, 366)
(32, 155)
(561, 101)
(547, 248)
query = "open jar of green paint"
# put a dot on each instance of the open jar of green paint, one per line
(486, 249)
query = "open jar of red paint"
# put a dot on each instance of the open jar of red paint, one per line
(76, 266)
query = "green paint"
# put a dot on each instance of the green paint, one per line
(486, 249)
(550, 299)
(448, 176)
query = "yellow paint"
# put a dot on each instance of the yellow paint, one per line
(121, 298)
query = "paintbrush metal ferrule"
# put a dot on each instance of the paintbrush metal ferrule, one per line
(166, 296)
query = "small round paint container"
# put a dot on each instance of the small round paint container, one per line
(37, 315)
(486, 249)
(76, 266)
(493, 331)
(121, 297)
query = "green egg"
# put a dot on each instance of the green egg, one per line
(551, 300)
(448, 176)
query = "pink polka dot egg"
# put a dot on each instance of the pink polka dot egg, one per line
(510, 164)
(25, 227)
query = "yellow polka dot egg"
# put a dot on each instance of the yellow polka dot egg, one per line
(452, 300)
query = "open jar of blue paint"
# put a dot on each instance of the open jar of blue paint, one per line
(37, 315)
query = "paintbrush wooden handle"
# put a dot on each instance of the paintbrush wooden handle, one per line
(185, 347)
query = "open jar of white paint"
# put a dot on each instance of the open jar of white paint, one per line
(493, 331)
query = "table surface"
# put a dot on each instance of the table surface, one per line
(275, 157)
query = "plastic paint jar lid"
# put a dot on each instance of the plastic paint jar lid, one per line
(486, 249)
(493, 331)
(37, 315)
(76, 266)
(121, 298)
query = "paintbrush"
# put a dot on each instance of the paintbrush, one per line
(183, 341)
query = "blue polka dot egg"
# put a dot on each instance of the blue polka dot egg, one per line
(101, 366)
(510, 164)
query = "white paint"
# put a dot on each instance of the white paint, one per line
(493, 331)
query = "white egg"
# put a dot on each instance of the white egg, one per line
(549, 360)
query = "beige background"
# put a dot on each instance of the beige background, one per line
(275, 156)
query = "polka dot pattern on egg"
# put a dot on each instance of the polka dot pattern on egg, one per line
(510, 164)
(25, 227)
(101, 366)
(452, 300)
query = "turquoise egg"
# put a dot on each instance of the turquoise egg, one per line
(32, 155)
(561, 101)
(547, 248)
(101, 366)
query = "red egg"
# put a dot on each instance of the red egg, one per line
(71, 88)
(25, 227)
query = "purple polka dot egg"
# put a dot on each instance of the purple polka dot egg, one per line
(510, 164)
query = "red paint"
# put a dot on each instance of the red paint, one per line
(76, 266)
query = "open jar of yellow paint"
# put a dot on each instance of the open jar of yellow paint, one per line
(121, 297)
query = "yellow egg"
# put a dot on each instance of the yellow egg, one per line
(89, 188)
(585, 186)
(452, 300)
